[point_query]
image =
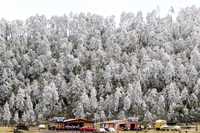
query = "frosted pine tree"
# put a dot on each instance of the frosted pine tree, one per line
(117, 96)
(12, 102)
(79, 111)
(169, 72)
(6, 113)
(127, 103)
(93, 99)
(195, 58)
(121, 115)
(102, 116)
(50, 98)
(20, 99)
(85, 100)
(16, 117)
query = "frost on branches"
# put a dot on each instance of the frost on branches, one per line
(85, 65)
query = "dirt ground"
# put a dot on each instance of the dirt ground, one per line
(35, 130)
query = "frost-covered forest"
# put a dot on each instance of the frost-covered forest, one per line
(86, 65)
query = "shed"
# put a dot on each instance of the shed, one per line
(121, 124)
(79, 122)
(116, 124)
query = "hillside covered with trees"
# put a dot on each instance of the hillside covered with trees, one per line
(86, 65)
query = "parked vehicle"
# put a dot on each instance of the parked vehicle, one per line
(102, 130)
(160, 124)
(111, 130)
(163, 125)
(41, 126)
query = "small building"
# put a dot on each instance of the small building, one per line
(79, 122)
(69, 124)
(116, 124)
(121, 124)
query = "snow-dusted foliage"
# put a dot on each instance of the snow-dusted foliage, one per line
(6, 113)
(84, 65)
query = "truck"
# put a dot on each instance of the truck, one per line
(163, 125)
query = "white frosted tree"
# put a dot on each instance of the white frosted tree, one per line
(196, 88)
(20, 99)
(173, 96)
(122, 115)
(35, 91)
(6, 113)
(93, 99)
(79, 111)
(102, 116)
(184, 94)
(195, 58)
(152, 100)
(89, 79)
(161, 106)
(117, 97)
(76, 88)
(16, 117)
(127, 103)
(29, 109)
(101, 104)
(108, 87)
(85, 100)
(50, 98)
(192, 75)
(108, 73)
(182, 74)
(25, 117)
(12, 101)
(148, 116)
(136, 93)
(169, 73)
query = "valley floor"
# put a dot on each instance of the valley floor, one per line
(35, 130)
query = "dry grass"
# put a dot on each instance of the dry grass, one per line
(6, 130)
(35, 130)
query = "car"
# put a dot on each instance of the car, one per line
(111, 129)
(102, 130)
(41, 126)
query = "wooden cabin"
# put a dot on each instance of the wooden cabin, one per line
(70, 124)
(56, 123)
(79, 123)
(116, 124)
(121, 125)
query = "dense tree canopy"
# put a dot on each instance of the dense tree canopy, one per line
(85, 65)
